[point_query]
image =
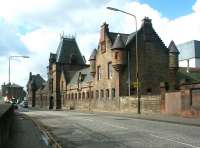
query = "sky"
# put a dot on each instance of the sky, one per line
(33, 27)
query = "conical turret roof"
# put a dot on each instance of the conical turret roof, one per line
(172, 47)
(118, 44)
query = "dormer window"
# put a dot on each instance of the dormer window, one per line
(73, 59)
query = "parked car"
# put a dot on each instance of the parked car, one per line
(24, 104)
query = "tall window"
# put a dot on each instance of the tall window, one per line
(88, 95)
(102, 93)
(116, 55)
(109, 70)
(99, 71)
(113, 92)
(83, 95)
(107, 93)
(97, 94)
(103, 47)
(62, 86)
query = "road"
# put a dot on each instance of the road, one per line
(96, 130)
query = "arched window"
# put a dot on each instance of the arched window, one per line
(102, 94)
(83, 95)
(75, 95)
(107, 93)
(88, 95)
(97, 94)
(92, 94)
(79, 95)
(113, 92)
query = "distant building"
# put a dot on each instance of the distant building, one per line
(13, 91)
(189, 54)
(34, 83)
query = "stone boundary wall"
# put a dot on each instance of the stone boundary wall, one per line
(149, 104)
(6, 122)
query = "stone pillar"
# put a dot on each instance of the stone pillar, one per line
(162, 97)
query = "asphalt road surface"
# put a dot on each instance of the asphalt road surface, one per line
(96, 130)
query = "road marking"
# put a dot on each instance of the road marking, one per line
(116, 126)
(169, 139)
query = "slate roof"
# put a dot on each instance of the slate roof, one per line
(130, 37)
(172, 47)
(119, 43)
(113, 36)
(52, 58)
(93, 55)
(68, 74)
(68, 47)
(13, 85)
(36, 81)
(86, 76)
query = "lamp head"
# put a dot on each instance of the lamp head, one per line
(111, 8)
(25, 56)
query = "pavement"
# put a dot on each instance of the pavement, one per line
(25, 134)
(76, 129)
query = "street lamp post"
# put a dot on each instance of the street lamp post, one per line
(136, 52)
(10, 57)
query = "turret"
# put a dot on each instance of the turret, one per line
(173, 64)
(92, 60)
(173, 56)
(118, 54)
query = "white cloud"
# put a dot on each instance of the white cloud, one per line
(45, 20)
(196, 6)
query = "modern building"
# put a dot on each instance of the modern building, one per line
(189, 54)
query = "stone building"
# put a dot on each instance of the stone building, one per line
(34, 83)
(112, 69)
(68, 60)
(111, 73)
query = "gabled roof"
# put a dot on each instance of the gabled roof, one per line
(35, 81)
(119, 43)
(172, 47)
(93, 55)
(52, 58)
(85, 72)
(67, 49)
(130, 37)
